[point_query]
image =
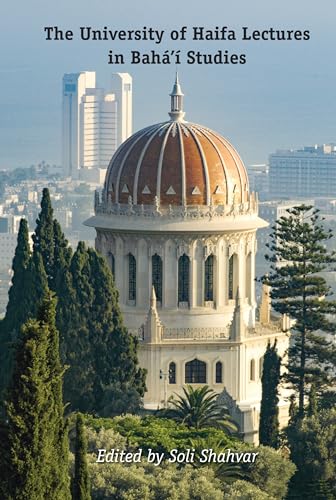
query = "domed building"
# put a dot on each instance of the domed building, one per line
(177, 224)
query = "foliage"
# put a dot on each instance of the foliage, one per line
(226, 472)
(28, 288)
(103, 376)
(199, 408)
(160, 434)
(242, 490)
(269, 412)
(36, 434)
(147, 482)
(271, 472)
(105, 438)
(298, 254)
(18, 294)
(44, 236)
(312, 442)
(81, 483)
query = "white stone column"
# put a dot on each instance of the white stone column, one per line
(221, 274)
(241, 267)
(253, 267)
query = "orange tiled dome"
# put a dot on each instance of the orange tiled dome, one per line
(178, 162)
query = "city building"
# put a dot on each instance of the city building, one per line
(95, 122)
(177, 223)
(259, 180)
(75, 86)
(310, 172)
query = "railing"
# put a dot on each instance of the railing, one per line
(192, 212)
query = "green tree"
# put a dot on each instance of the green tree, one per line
(81, 484)
(298, 256)
(37, 436)
(312, 407)
(312, 444)
(269, 411)
(75, 302)
(44, 236)
(103, 374)
(199, 408)
(19, 293)
(30, 285)
(62, 256)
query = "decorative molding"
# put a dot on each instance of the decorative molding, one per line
(177, 212)
(210, 333)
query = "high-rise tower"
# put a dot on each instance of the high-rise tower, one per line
(75, 86)
(95, 122)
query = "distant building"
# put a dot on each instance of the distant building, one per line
(259, 180)
(75, 86)
(310, 172)
(95, 122)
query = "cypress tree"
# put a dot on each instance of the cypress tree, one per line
(81, 484)
(50, 242)
(102, 356)
(18, 293)
(17, 307)
(75, 306)
(118, 377)
(269, 412)
(62, 256)
(58, 426)
(44, 236)
(24, 300)
(298, 256)
(37, 437)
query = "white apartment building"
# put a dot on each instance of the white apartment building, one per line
(310, 172)
(95, 123)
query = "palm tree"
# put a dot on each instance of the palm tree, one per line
(199, 408)
(226, 472)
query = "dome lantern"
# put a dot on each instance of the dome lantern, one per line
(176, 101)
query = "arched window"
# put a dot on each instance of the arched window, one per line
(261, 364)
(131, 277)
(172, 373)
(232, 276)
(208, 278)
(252, 369)
(195, 372)
(183, 278)
(219, 372)
(112, 263)
(157, 276)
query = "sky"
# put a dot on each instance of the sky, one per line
(283, 97)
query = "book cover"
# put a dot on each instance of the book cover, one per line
(151, 155)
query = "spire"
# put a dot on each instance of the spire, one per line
(153, 298)
(176, 101)
(238, 326)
